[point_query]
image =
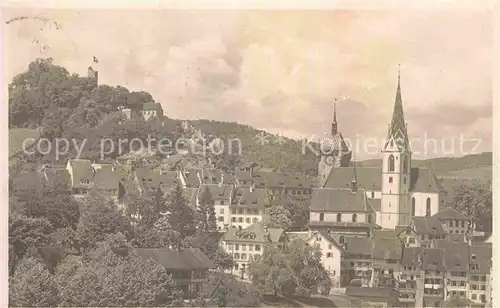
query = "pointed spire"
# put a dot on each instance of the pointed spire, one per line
(397, 128)
(334, 123)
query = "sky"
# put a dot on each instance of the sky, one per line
(281, 70)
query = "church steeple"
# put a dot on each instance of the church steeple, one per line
(334, 123)
(397, 129)
(354, 181)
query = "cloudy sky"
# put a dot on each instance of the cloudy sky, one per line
(281, 70)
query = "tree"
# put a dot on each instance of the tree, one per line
(208, 243)
(26, 232)
(475, 201)
(111, 279)
(296, 270)
(100, 217)
(32, 286)
(205, 213)
(277, 217)
(180, 215)
(225, 291)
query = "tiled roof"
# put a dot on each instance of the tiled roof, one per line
(222, 192)
(424, 180)
(215, 176)
(428, 225)
(242, 175)
(191, 258)
(106, 179)
(358, 246)
(334, 144)
(456, 255)
(258, 234)
(450, 213)
(368, 178)
(82, 170)
(57, 175)
(432, 258)
(244, 197)
(387, 248)
(329, 238)
(483, 255)
(340, 200)
(282, 179)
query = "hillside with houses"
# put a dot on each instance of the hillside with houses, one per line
(199, 227)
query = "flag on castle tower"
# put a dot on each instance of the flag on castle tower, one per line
(96, 60)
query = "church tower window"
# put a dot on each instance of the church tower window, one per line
(321, 217)
(391, 162)
(341, 240)
(413, 206)
(428, 207)
(339, 217)
(354, 217)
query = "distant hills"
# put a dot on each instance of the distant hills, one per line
(474, 166)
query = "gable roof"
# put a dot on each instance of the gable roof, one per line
(105, 179)
(329, 238)
(387, 248)
(358, 246)
(368, 178)
(282, 179)
(191, 258)
(259, 234)
(340, 200)
(428, 225)
(245, 197)
(222, 192)
(151, 106)
(191, 177)
(450, 213)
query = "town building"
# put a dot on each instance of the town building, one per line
(331, 254)
(245, 245)
(189, 268)
(151, 110)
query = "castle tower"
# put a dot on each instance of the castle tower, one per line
(93, 74)
(396, 167)
(333, 150)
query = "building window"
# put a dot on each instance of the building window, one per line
(390, 179)
(391, 163)
(255, 220)
(341, 240)
(413, 206)
(339, 217)
(222, 202)
(236, 246)
(233, 219)
(457, 223)
(428, 207)
(243, 256)
(330, 246)
(329, 255)
(236, 255)
(321, 217)
(247, 220)
(257, 247)
(354, 217)
(404, 180)
(240, 219)
(221, 218)
(373, 194)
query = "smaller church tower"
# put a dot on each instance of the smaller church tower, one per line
(396, 167)
(333, 151)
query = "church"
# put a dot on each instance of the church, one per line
(354, 201)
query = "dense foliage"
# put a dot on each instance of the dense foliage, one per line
(292, 271)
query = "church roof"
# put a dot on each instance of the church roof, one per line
(450, 213)
(370, 178)
(334, 144)
(340, 200)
